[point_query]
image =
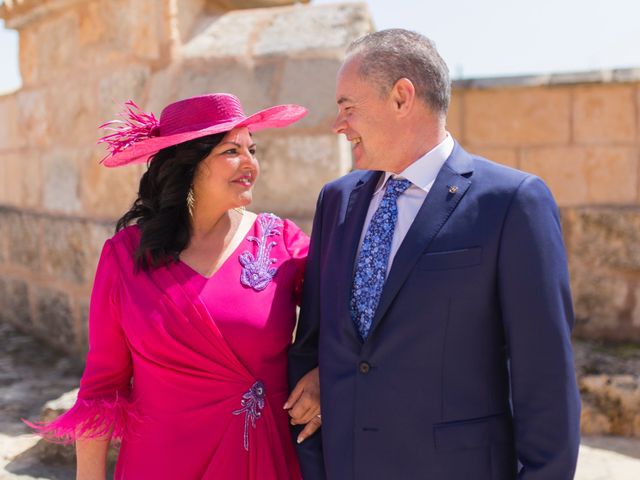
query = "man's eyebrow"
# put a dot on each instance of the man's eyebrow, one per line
(342, 100)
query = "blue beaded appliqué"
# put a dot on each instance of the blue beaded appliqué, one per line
(258, 271)
(252, 404)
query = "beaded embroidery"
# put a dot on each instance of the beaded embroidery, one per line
(252, 404)
(257, 272)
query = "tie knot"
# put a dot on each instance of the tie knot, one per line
(396, 187)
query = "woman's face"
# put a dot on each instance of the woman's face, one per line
(226, 177)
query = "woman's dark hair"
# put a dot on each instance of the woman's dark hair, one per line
(161, 210)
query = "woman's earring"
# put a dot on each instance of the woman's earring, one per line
(191, 201)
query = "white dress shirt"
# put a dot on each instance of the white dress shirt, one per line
(422, 174)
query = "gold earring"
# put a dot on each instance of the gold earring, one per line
(191, 201)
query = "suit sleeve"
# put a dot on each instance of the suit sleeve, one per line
(537, 313)
(303, 354)
(102, 408)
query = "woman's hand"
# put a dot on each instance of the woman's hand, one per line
(304, 404)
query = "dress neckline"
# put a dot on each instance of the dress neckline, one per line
(233, 252)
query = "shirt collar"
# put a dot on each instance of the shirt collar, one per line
(423, 172)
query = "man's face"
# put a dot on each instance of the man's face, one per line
(364, 117)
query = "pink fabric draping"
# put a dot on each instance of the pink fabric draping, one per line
(173, 355)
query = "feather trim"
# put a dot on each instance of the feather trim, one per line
(93, 418)
(135, 127)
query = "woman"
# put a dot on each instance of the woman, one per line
(192, 308)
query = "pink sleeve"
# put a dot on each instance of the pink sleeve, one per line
(297, 243)
(102, 408)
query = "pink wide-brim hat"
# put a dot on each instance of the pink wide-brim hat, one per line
(140, 135)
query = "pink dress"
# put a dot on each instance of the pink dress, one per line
(191, 372)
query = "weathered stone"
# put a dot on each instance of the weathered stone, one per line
(28, 56)
(4, 235)
(517, 117)
(24, 240)
(254, 3)
(57, 43)
(117, 88)
(71, 248)
(54, 320)
(604, 113)
(604, 236)
(10, 135)
(579, 175)
(303, 163)
(226, 36)
(322, 27)
(23, 179)
(33, 119)
(72, 105)
(506, 156)
(320, 98)
(616, 397)
(107, 192)
(61, 181)
(14, 303)
(600, 303)
(455, 115)
(251, 85)
(592, 421)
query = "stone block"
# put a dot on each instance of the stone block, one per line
(294, 169)
(582, 175)
(28, 56)
(54, 320)
(229, 35)
(592, 421)
(311, 83)
(506, 156)
(61, 181)
(304, 29)
(71, 248)
(455, 115)
(610, 174)
(14, 303)
(22, 179)
(562, 168)
(252, 85)
(161, 89)
(118, 87)
(4, 233)
(517, 117)
(72, 105)
(57, 43)
(33, 121)
(604, 113)
(24, 240)
(617, 397)
(11, 137)
(600, 303)
(603, 237)
(107, 193)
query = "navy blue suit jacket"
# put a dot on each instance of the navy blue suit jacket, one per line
(467, 373)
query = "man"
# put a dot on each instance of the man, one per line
(436, 299)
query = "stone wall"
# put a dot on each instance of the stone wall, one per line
(80, 60)
(581, 134)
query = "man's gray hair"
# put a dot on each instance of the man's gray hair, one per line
(389, 55)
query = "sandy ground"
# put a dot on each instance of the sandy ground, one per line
(31, 374)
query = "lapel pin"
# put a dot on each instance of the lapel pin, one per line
(453, 189)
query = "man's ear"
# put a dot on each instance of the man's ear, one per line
(403, 96)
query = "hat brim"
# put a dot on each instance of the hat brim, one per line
(273, 117)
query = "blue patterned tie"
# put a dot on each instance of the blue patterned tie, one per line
(371, 268)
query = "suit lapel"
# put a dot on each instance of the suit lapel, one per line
(351, 223)
(450, 186)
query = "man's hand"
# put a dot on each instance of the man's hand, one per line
(304, 404)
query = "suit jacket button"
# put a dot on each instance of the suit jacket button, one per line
(364, 368)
